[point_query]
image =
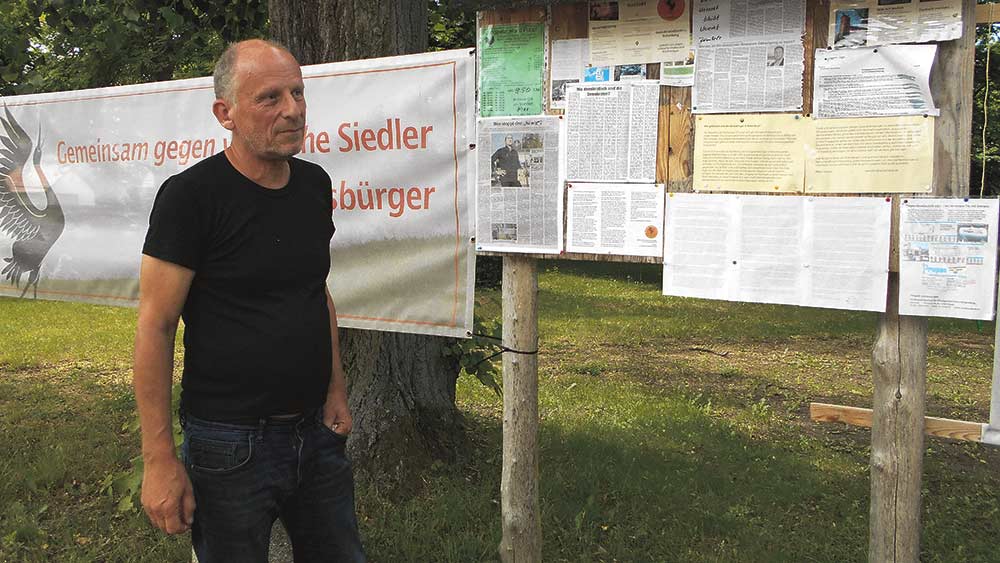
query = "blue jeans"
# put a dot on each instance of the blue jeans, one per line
(245, 477)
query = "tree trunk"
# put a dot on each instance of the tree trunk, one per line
(402, 388)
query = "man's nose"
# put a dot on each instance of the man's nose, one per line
(291, 107)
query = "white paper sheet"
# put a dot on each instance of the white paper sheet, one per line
(612, 131)
(615, 219)
(860, 23)
(748, 77)
(874, 82)
(817, 252)
(568, 61)
(947, 257)
(519, 199)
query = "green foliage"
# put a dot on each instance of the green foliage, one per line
(478, 355)
(50, 46)
(451, 25)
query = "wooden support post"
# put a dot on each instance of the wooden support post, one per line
(899, 362)
(521, 521)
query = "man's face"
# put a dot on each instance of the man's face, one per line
(508, 140)
(779, 52)
(269, 113)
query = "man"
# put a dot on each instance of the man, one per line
(506, 162)
(777, 57)
(238, 245)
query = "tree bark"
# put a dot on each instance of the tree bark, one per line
(402, 388)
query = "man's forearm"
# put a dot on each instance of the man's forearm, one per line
(338, 383)
(152, 378)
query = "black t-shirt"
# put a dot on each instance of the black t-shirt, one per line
(257, 329)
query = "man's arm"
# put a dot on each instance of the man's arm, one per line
(167, 496)
(336, 412)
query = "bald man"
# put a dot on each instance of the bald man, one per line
(238, 246)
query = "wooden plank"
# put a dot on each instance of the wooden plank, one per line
(680, 148)
(988, 13)
(815, 37)
(519, 505)
(933, 426)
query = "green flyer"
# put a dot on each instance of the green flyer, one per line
(511, 61)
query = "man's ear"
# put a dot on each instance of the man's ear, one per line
(221, 108)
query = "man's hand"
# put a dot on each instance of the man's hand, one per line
(337, 415)
(167, 496)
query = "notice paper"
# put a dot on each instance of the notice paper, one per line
(617, 73)
(860, 23)
(757, 152)
(868, 82)
(793, 250)
(870, 155)
(519, 201)
(612, 131)
(749, 77)
(639, 31)
(749, 55)
(615, 219)
(678, 73)
(718, 22)
(947, 257)
(511, 59)
(568, 61)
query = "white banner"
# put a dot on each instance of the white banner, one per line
(394, 134)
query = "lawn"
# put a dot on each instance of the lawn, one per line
(671, 430)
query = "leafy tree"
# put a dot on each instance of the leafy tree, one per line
(987, 43)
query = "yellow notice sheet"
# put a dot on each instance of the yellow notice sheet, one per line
(870, 155)
(749, 153)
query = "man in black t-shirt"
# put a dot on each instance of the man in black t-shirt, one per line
(506, 162)
(238, 246)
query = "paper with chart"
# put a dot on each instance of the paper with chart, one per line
(947, 257)
(511, 61)
(794, 250)
(622, 219)
(612, 131)
(519, 200)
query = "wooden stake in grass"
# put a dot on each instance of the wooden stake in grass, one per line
(522, 529)
(899, 363)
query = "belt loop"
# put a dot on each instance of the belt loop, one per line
(261, 423)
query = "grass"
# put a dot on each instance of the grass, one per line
(671, 430)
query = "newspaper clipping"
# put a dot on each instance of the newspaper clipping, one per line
(861, 23)
(519, 202)
(615, 219)
(947, 257)
(639, 31)
(749, 56)
(870, 82)
(816, 252)
(724, 22)
(612, 131)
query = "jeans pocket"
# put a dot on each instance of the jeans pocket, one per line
(329, 431)
(217, 456)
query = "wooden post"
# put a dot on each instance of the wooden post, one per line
(899, 363)
(522, 529)
(900, 354)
